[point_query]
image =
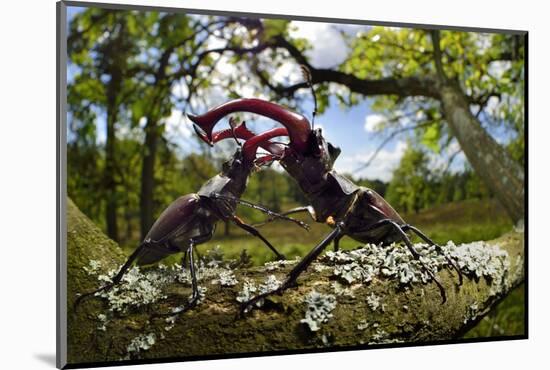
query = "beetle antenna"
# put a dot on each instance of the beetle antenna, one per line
(306, 73)
(233, 124)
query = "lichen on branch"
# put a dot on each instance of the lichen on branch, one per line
(369, 295)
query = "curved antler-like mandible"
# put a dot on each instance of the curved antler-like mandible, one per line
(251, 145)
(298, 126)
(240, 131)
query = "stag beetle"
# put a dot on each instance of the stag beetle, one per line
(352, 210)
(191, 219)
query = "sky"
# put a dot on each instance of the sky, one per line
(352, 129)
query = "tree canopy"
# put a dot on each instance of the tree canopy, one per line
(132, 74)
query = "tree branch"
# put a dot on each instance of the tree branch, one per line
(377, 312)
(437, 56)
(406, 86)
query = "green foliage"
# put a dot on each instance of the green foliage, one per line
(430, 137)
(489, 68)
(415, 186)
(274, 27)
(408, 189)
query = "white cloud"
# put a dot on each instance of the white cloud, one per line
(215, 42)
(329, 49)
(180, 90)
(499, 67)
(493, 105)
(288, 73)
(483, 42)
(177, 126)
(373, 121)
(381, 168)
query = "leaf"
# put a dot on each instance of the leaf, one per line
(274, 27)
(431, 137)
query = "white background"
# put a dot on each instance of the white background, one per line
(27, 185)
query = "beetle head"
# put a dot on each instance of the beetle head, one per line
(322, 149)
(236, 167)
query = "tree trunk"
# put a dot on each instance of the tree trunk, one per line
(110, 159)
(146, 201)
(492, 163)
(381, 311)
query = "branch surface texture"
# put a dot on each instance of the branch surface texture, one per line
(368, 296)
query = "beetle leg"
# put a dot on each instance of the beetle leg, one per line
(439, 249)
(194, 284)
(416, 255)
(252, 230)
(308, 209)
(195, 295)
(117, 277)
(297, 270)
(337, 242)
(259, 208)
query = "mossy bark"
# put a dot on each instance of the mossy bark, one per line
(411, 314)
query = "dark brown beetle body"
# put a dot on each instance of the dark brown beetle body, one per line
(336, 199)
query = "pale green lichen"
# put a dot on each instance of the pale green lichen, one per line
(250, 290)
(171, 321)
(214, 257)
(471, 313)
(275, 265)
(319, 267)
(226, 278)
(363, 324)
(140, 343)
(318, 310)
(341, 290)
(396, 262)
(373, 301)
(136, 289)
(480, 259)
(270, 284)
(94, 266)
(102, 318)
(379, 336)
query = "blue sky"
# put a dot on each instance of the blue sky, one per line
(346, 128)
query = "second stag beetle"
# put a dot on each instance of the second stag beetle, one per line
(191, 219)
(352, 210)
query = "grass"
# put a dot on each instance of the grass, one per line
(461, 222)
